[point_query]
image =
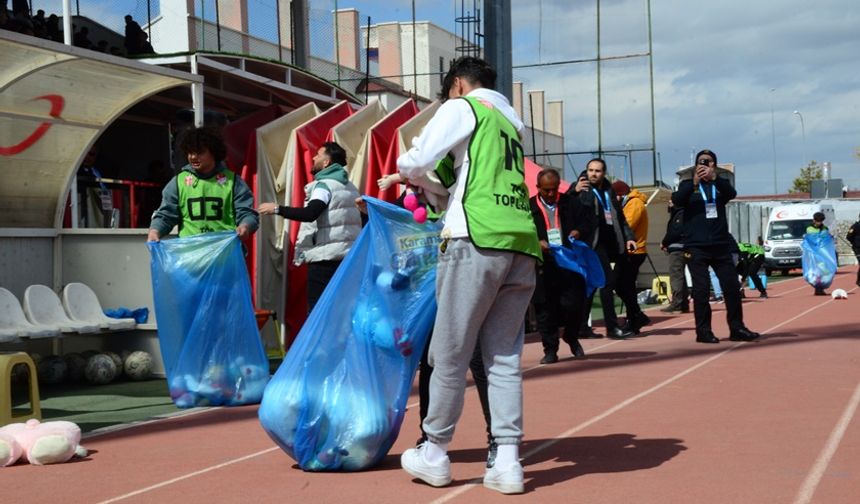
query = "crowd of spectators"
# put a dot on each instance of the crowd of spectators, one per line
(21, 19)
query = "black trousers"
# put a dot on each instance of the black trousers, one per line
(857, 253)
(479, 375)
(319, 275)
(636, 262)
(748, 268)
(559, 299)
(720, 258)
(618, 280)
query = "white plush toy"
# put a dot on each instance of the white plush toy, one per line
(839, 294)
(40, 443)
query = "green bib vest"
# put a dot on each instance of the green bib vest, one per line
(206, 204)
(495, 199)
(751, 249)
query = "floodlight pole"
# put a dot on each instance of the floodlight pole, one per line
(773, 140)
(803, 132)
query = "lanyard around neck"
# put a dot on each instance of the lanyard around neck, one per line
(713, 193)
(543, 206)
(604, 201)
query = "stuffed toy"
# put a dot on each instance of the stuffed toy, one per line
(239, 383)
(248, 382)
(419, 211)
(40, 443)
(839, 294)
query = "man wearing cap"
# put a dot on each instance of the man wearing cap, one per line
(707, 242)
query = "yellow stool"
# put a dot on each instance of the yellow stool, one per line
(7, 362)
(661, 288)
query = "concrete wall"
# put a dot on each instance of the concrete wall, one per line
(26, 260)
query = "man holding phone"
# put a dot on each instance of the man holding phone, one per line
(707, 242)
(611, 239)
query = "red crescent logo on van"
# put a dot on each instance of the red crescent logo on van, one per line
(780, 214)
(57, 103)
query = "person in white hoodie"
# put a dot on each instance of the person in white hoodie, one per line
(486, 271)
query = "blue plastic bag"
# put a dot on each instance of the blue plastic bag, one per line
(212, 351)
(338, 399)
(140, 315)
(819, 259)
(580, 259)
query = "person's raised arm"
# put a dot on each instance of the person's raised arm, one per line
(308, 213)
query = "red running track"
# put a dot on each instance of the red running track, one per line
(657, 419)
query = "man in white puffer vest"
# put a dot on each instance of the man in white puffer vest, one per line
(330, 220)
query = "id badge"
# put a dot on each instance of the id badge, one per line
(554, 236)
(711, 210)
(607, 217)
(107, 199)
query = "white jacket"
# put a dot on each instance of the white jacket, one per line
(449, 131)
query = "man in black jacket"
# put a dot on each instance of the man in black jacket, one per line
(853, 238)
(707, 242)
(559, 294)
(673, 245)
(610, 239)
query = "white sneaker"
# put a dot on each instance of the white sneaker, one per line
(508, 481)
(413, 462)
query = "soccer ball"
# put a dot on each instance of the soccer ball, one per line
(117, 360)
(138, 366)
(52, 370)
(100, 369)
(76, 364)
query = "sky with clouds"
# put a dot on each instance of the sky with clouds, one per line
(719, 70)
(722, 71)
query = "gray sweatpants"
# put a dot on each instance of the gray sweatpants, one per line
(479, 293)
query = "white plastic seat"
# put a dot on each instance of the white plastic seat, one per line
(82, 305)
(42, 306)
(14, 324)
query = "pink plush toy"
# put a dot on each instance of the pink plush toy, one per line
(40, 443)
(414, 205)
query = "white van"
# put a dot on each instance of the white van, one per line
(785, 229)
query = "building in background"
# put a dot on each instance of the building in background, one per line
(415, 58)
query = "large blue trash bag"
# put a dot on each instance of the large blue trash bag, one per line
(580, 259)
(819, 259)
(212, 351)
(338, 399)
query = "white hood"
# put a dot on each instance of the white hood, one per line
(501, 103)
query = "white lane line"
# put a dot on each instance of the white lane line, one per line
(189, 475)
(810, 484)
(614, 409)
(807, 490)
(610, 343)
(472, 483)
(121, 427)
